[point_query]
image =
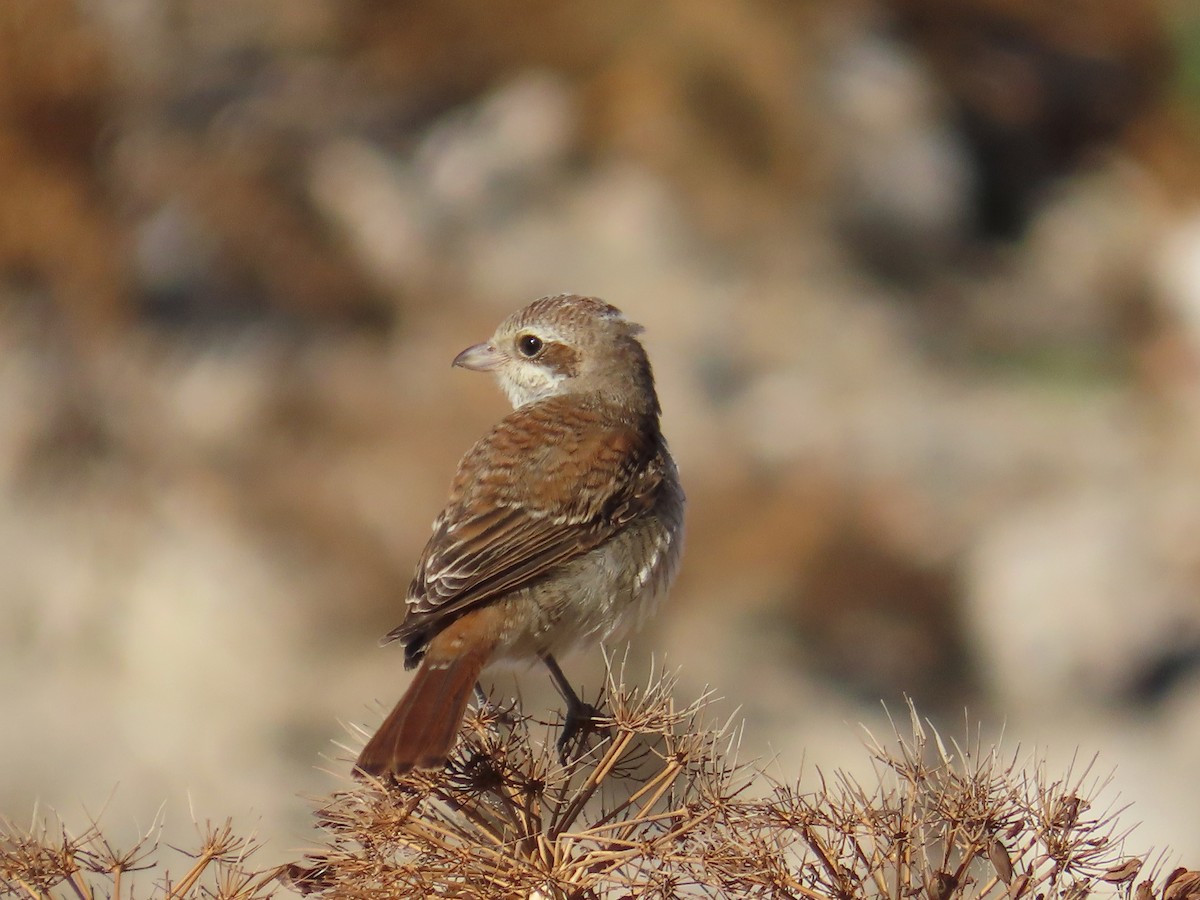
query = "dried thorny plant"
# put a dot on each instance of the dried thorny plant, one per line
(659, 805)
(42, 862)
(507, 818)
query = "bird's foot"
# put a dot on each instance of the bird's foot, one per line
(581, 721)
(490, 709)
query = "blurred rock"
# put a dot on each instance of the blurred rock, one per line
(59, 233)
(1063, 602)
(905, 181)
(885, 626)
(478, 160)
(381, 208)
(1177, 277)
(1037, 88)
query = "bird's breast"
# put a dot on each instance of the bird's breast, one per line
(607, 592)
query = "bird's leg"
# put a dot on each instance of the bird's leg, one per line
(580, 718)
(488, 708)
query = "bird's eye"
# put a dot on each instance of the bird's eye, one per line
(530, 345)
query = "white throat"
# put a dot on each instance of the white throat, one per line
(526, 383)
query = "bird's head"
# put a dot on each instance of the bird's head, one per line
(567, 344)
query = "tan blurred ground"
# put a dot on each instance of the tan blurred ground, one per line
(921, 284)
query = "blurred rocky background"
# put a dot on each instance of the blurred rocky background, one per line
(921, 282)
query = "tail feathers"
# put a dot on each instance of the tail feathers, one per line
(420, 731)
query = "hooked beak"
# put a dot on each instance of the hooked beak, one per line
(479, 358)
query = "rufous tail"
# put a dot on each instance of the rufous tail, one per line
(420, 731)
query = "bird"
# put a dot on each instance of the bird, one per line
(563, 528)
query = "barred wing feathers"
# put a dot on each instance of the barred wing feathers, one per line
(550, 482)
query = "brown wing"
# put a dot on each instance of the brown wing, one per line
(550, 482)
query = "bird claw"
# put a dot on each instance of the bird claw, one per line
(580, 722)
(490, 709)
